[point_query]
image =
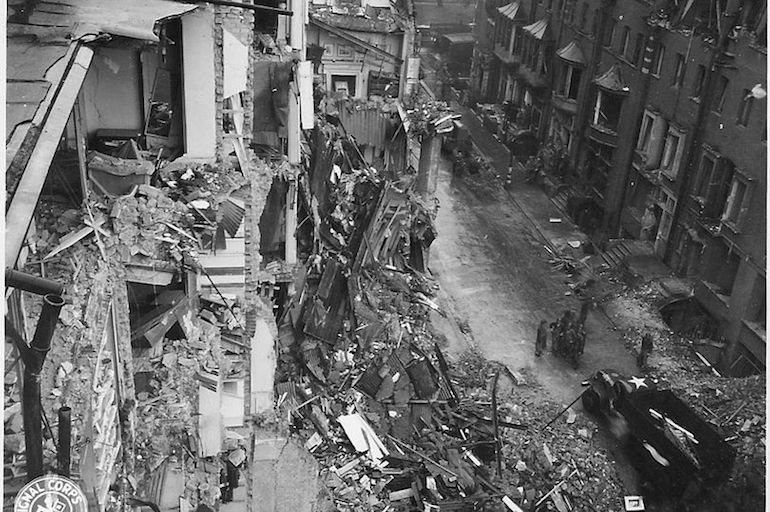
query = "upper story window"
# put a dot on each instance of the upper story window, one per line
(706, 169)
(744, 109)
(657, 59)
(719, 94)
(652, 134)
(609, 33)
(679, 69)
(623, 45)
(737, 205)
(344, 50)
(645, 133)
(570, 81)
(697, 85)
(638, 50)
(672, 152)
(583, 16)
(607, 109)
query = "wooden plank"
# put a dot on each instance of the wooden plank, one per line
(22, 207)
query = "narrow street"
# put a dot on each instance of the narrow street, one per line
(491, 261)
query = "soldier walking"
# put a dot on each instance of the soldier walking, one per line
(542, 338)
(644, 351)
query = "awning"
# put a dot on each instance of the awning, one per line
(464, 38)
(572, 53)
(612, 81)
(539, 30)
(511, 10)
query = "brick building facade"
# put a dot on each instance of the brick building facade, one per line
(659, 110)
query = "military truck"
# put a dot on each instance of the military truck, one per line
(672, 447)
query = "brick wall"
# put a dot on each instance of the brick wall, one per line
(239, 23)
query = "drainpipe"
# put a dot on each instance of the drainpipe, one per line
(615, 222)
(718, 53)
(32, 284)
(33, 357)
(65, 440)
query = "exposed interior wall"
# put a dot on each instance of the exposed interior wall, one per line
(198, 84)
(113, 91)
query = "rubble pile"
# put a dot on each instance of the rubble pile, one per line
(363, 381)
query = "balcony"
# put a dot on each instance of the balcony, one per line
(564, 104)
(603, 135)
(501, 52)
(713, 299)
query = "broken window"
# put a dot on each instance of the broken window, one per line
(607, 110)
(705, 175)
(737, 202)
(672, 152)
(571, 82)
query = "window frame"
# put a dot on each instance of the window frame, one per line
(625, 39)
(697, 86)
(745, 106)
(342, 48)
(680, 68)
(720, 94)
(645, 132)
(703, 178)
(670, 163)
(656, 65)
(734, 215)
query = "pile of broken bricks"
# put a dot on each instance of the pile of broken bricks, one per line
(392, 422)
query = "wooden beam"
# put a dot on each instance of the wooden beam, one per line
(353, 39)
(19, 214)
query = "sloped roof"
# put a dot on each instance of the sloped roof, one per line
(539, 30)
(511, 10)
(612, 81)
(572, 53)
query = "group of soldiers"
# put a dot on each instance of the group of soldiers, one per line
(568, 335)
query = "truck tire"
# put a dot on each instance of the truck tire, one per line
(591, 401)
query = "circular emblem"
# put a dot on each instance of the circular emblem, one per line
(51, 493)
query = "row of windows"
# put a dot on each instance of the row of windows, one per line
(722, 192)
(633, 54)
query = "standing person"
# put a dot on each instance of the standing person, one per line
(542, 338)
(644, 351)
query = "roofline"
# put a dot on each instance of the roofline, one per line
(353, 39)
